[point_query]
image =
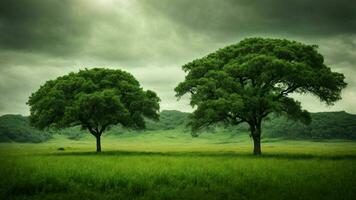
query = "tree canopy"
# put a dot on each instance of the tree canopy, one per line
(247, 81)
(94, 99)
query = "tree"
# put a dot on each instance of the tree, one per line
(94, 99)
(245, 82)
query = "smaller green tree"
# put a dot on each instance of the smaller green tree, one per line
(95, 99)
(247, 81)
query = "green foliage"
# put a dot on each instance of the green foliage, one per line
(94, 99)
(247, 81)
(16, 128)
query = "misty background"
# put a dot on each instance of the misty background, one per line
(152, 39)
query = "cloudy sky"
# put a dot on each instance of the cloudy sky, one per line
(152, 39)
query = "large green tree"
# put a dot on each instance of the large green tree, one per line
(94, 99)
(247, 81)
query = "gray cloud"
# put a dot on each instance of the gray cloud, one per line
(152, 39)
(51, 27)
(230, 18)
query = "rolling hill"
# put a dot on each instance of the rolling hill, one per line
(16, 128)
(325, 125)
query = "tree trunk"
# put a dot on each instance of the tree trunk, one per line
(256, 136)
(257, 144)
(98, 144)
(97, 134)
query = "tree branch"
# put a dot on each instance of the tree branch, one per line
(103, 128)
(92, 131)
(288, 90)
(236, 119)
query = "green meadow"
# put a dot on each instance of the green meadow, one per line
(173, 165)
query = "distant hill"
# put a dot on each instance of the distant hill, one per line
(169, 119)
(325, 125)
(16, 128)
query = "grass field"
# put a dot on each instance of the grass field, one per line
(173, 165)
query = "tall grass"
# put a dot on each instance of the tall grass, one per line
(158, 168)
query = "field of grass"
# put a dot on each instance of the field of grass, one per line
(173, 165)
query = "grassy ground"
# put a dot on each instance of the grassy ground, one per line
(173, 165)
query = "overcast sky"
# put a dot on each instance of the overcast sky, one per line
(152, 39)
